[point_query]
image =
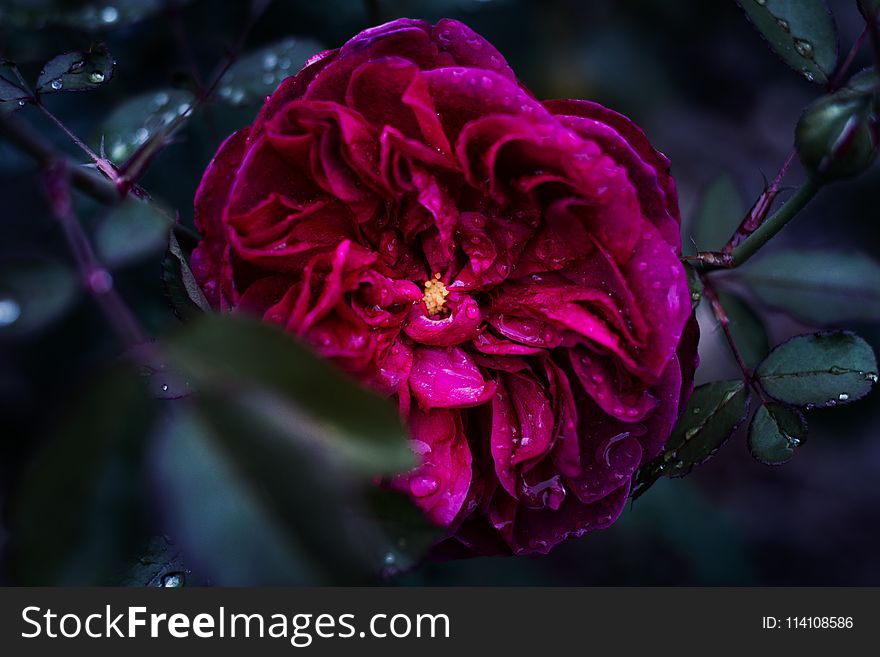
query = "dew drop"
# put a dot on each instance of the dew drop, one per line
(843, 396)
(141, 136)
(160, 99)
(804, 48)
(109, 14)
(761, 2)
(172, 581)
(96, 77)
(10, 311)
(783, 24)
(56, 84)
(793, 441)
(270, 61)
(870, 376)
(808, 75)
(423, 486)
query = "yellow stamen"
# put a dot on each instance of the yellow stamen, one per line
(435, 295)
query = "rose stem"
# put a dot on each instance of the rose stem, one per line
(95, 276)
(837, 80)
(773, 224)
(723, 319)
(87, 181)
(748, 225)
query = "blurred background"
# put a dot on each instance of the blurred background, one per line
(694, 75)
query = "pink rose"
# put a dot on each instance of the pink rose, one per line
(506, 269)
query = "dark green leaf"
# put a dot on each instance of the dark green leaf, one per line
(225, 518)
(257, 74)
(12, 95)
(824, 369)
(712, 416)
(801, 32)
(325, 406)
(775, 432)
(818, 286)
(253, 503)
(141, 118)
(76, 71)
(34, 292)
(746, 328)
(131, 232)
(719, 214)
(181, 288)
(79, 519)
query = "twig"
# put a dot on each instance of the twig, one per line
(710, 260)
(95, 276)
(724, 321)
(761, 208)
(839, 77)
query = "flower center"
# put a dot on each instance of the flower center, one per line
(435, 295)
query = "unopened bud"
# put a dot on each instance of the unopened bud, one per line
(837, 135)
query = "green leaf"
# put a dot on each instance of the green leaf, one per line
(712, 416)
(817, 286)
(801, 32)
(718, 215)
(227, 520)
(323, 406)
(76, 71)
(775, 432)
(11, 91)
(256, 75)
(746, 328)
(79, 519)
(141, 118)
(34, 292)
(131, 232)
(181, 289)
(824, 369)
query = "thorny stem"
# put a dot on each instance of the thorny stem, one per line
(67, 131)
(724, 321)
(95, 276)
(86, 180)
(761, 208)
(838, 79)
(707, 261)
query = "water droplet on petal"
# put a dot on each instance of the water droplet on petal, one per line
(423, 486)
(843, 396)
(56, 84)
(804, 48)
(96, 77)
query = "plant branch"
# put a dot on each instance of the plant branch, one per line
(97, 280)
(28, 141)
(708, 261)
(761, 208)
(838, 79)
(724, 321)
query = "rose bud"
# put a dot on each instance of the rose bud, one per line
(837, 135)
(505, 269)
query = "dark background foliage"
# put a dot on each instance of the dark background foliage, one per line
(710, 95)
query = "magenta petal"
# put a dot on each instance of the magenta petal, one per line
(439, 486)
(447, 378)
(462, 324)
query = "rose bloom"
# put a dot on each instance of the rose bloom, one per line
(506, 269)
